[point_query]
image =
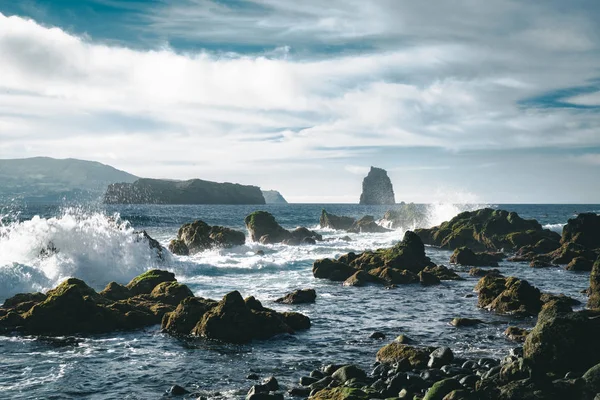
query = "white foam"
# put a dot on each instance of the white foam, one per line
(558, 228)
(91, 246)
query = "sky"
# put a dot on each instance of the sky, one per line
(494, 101)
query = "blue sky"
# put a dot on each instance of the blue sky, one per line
(495, 101)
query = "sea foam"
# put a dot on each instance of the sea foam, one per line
(39, 253)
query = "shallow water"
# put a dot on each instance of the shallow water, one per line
(97, 245)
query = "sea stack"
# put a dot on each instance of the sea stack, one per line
(377, 188)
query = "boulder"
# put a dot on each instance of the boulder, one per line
(348, 372)
(340, 393)
(483, 272)
(428, 279)
(262, 223)
(299, 297)
(563, 340)
(568, 252)
(263, 228)
(486, 230)
(466, 256)
(232, 320)
(360, 278)
(464, 322)
(583, 230)
(508, 295)
(146, 282)
(395, 352)
(199, 236)
(332, 270)
(441, 388)
(332, 221)
(178, 247)
(367, 224)
(580, 264)
(516, 334)
(377, 188)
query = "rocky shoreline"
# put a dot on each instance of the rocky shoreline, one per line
(559, 358)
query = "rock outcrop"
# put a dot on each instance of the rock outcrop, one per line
(199, 236)
(75, 308)
(399, 264)
(487, 230)
(333, 221)
(263, 228)
(232, 320)
(152, 298)
(377, 188)
(195, 191)
(273, 197)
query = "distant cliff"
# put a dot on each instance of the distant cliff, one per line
(377, 188)
(195, 191)
(50, 179)
(273, 197)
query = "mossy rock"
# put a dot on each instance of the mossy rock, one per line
(262, 223)
(177, 246)
(395, 351)
(115, 291)
(563, 340)
(171, 293)
(146, 282)
(340, 393)
(332, 270)
(441, 388)
(187, 314)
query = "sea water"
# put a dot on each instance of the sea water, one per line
(43, 244)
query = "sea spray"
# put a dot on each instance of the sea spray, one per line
(39, 253)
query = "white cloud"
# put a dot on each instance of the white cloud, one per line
(588, 99)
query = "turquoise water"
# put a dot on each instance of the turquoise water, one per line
(95, 244)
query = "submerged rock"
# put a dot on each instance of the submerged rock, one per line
(332, 221)
(377, 188)
(486, 230)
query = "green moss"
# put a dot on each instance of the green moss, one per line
(340, 393)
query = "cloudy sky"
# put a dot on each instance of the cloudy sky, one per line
(463, 100)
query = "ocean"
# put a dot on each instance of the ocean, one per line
(95, 243)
